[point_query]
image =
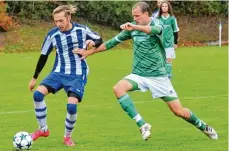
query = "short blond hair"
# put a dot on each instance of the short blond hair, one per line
(143, 6)
(68, 9)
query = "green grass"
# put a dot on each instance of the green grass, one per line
(200, 79)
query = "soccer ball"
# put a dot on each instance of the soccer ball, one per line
(22, 141)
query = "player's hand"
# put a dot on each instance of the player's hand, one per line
(83, 52)
(127, 26)
(90, 43)
(175, 46)
(32, 84)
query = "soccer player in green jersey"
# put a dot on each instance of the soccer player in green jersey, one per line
(148, 70)
(170, 34)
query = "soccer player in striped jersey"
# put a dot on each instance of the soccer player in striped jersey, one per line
(148, 70)
(170, 34)
(156, 12)
(69, 71)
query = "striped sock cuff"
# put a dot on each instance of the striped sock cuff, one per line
(137, 117)
(124, 97)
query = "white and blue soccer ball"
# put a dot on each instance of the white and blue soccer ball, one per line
(22, 141)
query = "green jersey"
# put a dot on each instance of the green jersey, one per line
(149, 54)
(170, 26)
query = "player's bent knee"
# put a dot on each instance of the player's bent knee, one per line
(119, 91)
(44, 89)
(38, 96)
(74, 98)
(71, 108)
(119, 87)
(115, 88)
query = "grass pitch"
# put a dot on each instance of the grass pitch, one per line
(200, 79)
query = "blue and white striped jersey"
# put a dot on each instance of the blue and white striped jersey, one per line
(155, 14)
(64, 42)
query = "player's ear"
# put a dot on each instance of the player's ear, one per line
(69, 17)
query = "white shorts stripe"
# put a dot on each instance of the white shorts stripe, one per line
(137, 118)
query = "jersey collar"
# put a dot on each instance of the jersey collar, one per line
(165, 17)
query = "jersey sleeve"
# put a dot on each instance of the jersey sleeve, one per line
(90, 35)
(47, 46)
(175, 25)
(122, 36)
(155, 14)
(156, 27)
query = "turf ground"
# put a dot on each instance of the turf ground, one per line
(200, 79)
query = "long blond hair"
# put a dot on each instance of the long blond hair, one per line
(68, 9)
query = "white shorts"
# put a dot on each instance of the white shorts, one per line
(170, 53)
(159, 86)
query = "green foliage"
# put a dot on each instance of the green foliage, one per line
(200, 8)
(106, 13)
(112, 13)
(34, 10)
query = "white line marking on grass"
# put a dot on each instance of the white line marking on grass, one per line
(26, 111)
(186, 98)
(136, 102)
(202, 97)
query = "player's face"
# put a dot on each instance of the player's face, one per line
(164, 7)
(139, 17)
(62, 21)
(159, 3)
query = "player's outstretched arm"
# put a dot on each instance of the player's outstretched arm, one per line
(146, 28)
(129, 26)
(94, 43)
(90, 52)
(122, 36)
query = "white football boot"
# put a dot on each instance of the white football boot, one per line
(146, 131)
(210, 132)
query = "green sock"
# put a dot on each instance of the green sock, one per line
(128, 106)
(194, 120)
(169, 69)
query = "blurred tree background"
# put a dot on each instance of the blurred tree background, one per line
(111, 13)
(23, 24)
